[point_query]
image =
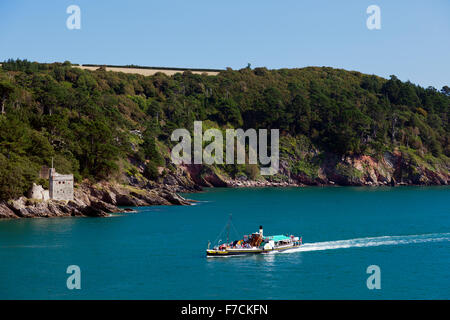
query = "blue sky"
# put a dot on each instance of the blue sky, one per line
(413, 43)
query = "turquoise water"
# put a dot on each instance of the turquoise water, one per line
(159, 252)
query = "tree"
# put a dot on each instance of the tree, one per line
(151, 171)
(16, 176)
(150, 148)
(228, 112)
(6, 90)
(446, 90)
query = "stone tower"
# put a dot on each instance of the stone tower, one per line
(60, 185)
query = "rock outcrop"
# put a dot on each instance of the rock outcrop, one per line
(98, 200)
(393, 168)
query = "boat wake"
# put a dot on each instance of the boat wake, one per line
(371, 242)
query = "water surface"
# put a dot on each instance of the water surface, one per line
(159, 252)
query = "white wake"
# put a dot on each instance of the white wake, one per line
(372, 242)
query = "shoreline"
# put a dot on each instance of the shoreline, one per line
(24, 208)
(92, 200)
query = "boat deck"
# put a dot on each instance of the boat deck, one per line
(246, 251)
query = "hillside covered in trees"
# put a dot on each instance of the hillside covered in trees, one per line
(103, 125)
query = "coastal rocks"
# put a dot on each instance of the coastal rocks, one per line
(393, 168)
(98, 209)
(214, 180)
(136, 197)
(261, 183)
(127, 195)
(174, 198)
(180, 181)
(170, 180)
(104, 194)
(303, 178)
(205, 176)
(31, 208)
(6, 212)
(97, 200)
(127, 200)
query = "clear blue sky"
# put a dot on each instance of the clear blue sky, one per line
(414, 42)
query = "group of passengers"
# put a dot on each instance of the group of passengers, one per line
(240, 244)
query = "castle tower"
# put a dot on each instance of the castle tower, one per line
(60, 185)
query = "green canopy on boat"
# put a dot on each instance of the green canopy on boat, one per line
(278, 238)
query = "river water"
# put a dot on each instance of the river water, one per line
(159, 253)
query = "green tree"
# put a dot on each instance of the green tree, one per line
(6, 90)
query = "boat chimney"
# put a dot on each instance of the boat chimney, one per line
(261, 230)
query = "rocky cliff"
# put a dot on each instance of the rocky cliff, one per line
(392, 169)
(98, 200)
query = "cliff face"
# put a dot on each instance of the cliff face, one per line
(393, 168)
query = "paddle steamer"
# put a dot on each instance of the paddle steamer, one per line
(256, 243)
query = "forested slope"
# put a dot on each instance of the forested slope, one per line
(333, 123)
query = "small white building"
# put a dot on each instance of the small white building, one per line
(38, 192)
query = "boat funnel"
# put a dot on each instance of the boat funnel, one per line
(261, 230)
